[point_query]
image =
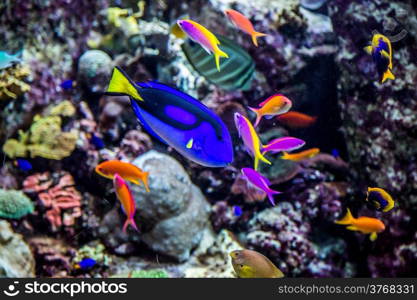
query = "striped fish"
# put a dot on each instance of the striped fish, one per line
(236, 72)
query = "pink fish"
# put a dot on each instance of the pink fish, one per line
(283, 144)
(260, 182)
(126, 199)
(250, 138)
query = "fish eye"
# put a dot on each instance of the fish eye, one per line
(241, 266)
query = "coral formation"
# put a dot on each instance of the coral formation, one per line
(56, 195)
(14, 204)
(45, 137)
(12, 84)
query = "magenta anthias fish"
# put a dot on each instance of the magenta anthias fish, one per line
(204, 37)
(250, 138)
(260, 182)
(283, 144)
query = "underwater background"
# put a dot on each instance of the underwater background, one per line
(60, 218)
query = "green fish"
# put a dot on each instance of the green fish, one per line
(236, 72)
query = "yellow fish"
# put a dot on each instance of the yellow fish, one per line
(381, 52)
(252, 264)
(204, 37)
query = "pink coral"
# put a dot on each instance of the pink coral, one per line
(61, 201)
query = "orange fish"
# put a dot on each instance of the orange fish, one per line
(299, 156)
(126, 199)
(275, 105)
(126, 170)
(365, 225)
(295, 120)
(243, 24)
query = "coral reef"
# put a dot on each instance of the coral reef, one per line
(174, 212)
(57, 196)
(45, 137)
(14, 204)
(16, 259)
(12, 84)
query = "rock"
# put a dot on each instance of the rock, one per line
(174, 213)
(16, 260)
(94, 69)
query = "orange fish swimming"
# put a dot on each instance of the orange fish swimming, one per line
(275, 105)
(243, 24)
(296, 120)
(365, 225)
(126, 199)
(299, 156)
(126, 170)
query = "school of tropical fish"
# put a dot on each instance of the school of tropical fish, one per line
(207, 140)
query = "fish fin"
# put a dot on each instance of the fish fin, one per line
(217, 54)
(347, 219)
(285, 155)
(387, 75)
(121, 84)
(373, 236)
(255, 35)
(368, 49)
(258, 115)
(130, 221)
(259, 156)
(144, 178)
(136, 181)
(385, 54)
(352, 227)
(271, 194)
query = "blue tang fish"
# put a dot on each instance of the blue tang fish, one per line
(6, 59)
(237, 210)
(177, 119)
(23, 164)
(96, 141)
(68, 84)
(85, 264)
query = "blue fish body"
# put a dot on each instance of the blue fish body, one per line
(6, 60)
(86, 263)
(179, 120)
(237, 210)
(23, 164)
(335, 153)
(97, 142)
(67, 84)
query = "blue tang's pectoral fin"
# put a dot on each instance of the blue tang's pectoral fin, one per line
(142, 121)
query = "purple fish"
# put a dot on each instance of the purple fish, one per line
(260, 182)
(283, 144)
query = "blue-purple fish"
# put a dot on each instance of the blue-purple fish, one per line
(381, 52)
(260, 182)
(177, 119)
(23, 164)
(86, 264)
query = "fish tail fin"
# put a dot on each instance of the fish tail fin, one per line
(145, 180)
(388, 75)
(347, 219)
(130, 221)
(368, 49)
(271, 194)
(258, 115)
(255, 35)
(259, 156)
(217, 54)
(121, 84)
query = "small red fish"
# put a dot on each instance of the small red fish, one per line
(296, 120)
(243, 24)
(126, 199)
